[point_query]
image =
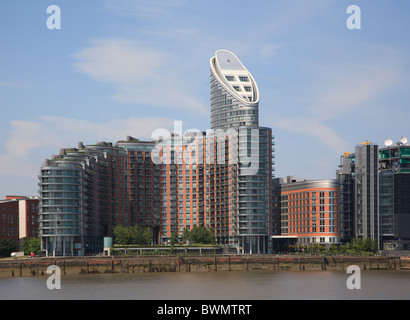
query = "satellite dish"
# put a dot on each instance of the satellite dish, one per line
(388, 143)
(403, 140)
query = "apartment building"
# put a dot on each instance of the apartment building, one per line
(308, 210)
(19, 218)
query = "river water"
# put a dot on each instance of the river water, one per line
(212, 286)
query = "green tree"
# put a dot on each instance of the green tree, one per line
(7, 246)
(369, 245)
(186, 234)
(200, 234)
(147, 236)
(343, 248)
(132, 235)
(174, 238)
(122, 235)
(357, 244)
(32, 245)
(211, 236)
(136, 235)
(333, 248)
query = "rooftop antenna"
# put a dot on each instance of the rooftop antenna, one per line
(403, 140)
(388, 143)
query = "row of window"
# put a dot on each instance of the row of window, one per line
(231, 113)
(331, 208)
(239, 89)
(309, 195)
(300, 203)
(9, 218)
(233, 78)
(321, 240)
(60, 173)
(299, 230)
(8, 232)
(309, 223)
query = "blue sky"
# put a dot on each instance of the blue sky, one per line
(128, 67)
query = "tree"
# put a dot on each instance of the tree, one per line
(7, 246)
(369, 245)
(147, 236)
(136, 235)
(357, 244)
(211, 236)
(32, 245)
(121, 235)
(174, 238)
(132, 235)
(200, 234)
(186, 234)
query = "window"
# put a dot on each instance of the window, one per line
(237, 88)
(230, 78)
(243, 79)
(248, 89)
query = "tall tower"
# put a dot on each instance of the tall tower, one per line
(234, 93)
(394, 175)
(345, 175)
(367, 191)
(235, 114)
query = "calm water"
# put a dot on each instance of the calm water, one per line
(212, 286)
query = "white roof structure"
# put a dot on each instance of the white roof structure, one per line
(234, 93)
(236, 78)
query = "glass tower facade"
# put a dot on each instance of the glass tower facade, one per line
(394, 167)
(345, 175)
(235, 110)
(367, 191)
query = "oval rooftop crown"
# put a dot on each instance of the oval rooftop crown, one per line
(234, 76)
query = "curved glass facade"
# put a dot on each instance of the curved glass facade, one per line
(61, 206)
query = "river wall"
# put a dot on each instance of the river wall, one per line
(135, 264)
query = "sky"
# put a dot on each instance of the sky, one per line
(129, 67)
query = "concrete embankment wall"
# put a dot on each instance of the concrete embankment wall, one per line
(134, 264)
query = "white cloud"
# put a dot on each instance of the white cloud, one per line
(31, 142)
(312, 126)
(118, 61)
(350, 86)
(342, 89)
(140, 74)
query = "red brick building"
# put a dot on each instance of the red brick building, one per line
(309, 210)
(18, 218)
